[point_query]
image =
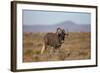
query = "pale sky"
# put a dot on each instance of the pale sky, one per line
(33, 17)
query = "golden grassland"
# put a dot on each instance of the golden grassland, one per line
(77, 46)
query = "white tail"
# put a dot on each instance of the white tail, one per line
(43, 48)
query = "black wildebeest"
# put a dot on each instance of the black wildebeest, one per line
(54, 39)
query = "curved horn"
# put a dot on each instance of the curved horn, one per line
(59, 31)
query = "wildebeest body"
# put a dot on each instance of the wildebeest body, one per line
(52, 39)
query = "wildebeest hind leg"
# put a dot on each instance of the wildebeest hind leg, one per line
(43, 48)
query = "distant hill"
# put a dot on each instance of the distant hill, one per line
(71, 26)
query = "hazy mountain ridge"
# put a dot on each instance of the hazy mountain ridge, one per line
(71, 26)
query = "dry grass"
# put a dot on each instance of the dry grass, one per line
(75, 47)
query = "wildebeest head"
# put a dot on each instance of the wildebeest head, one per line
(61, 34)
